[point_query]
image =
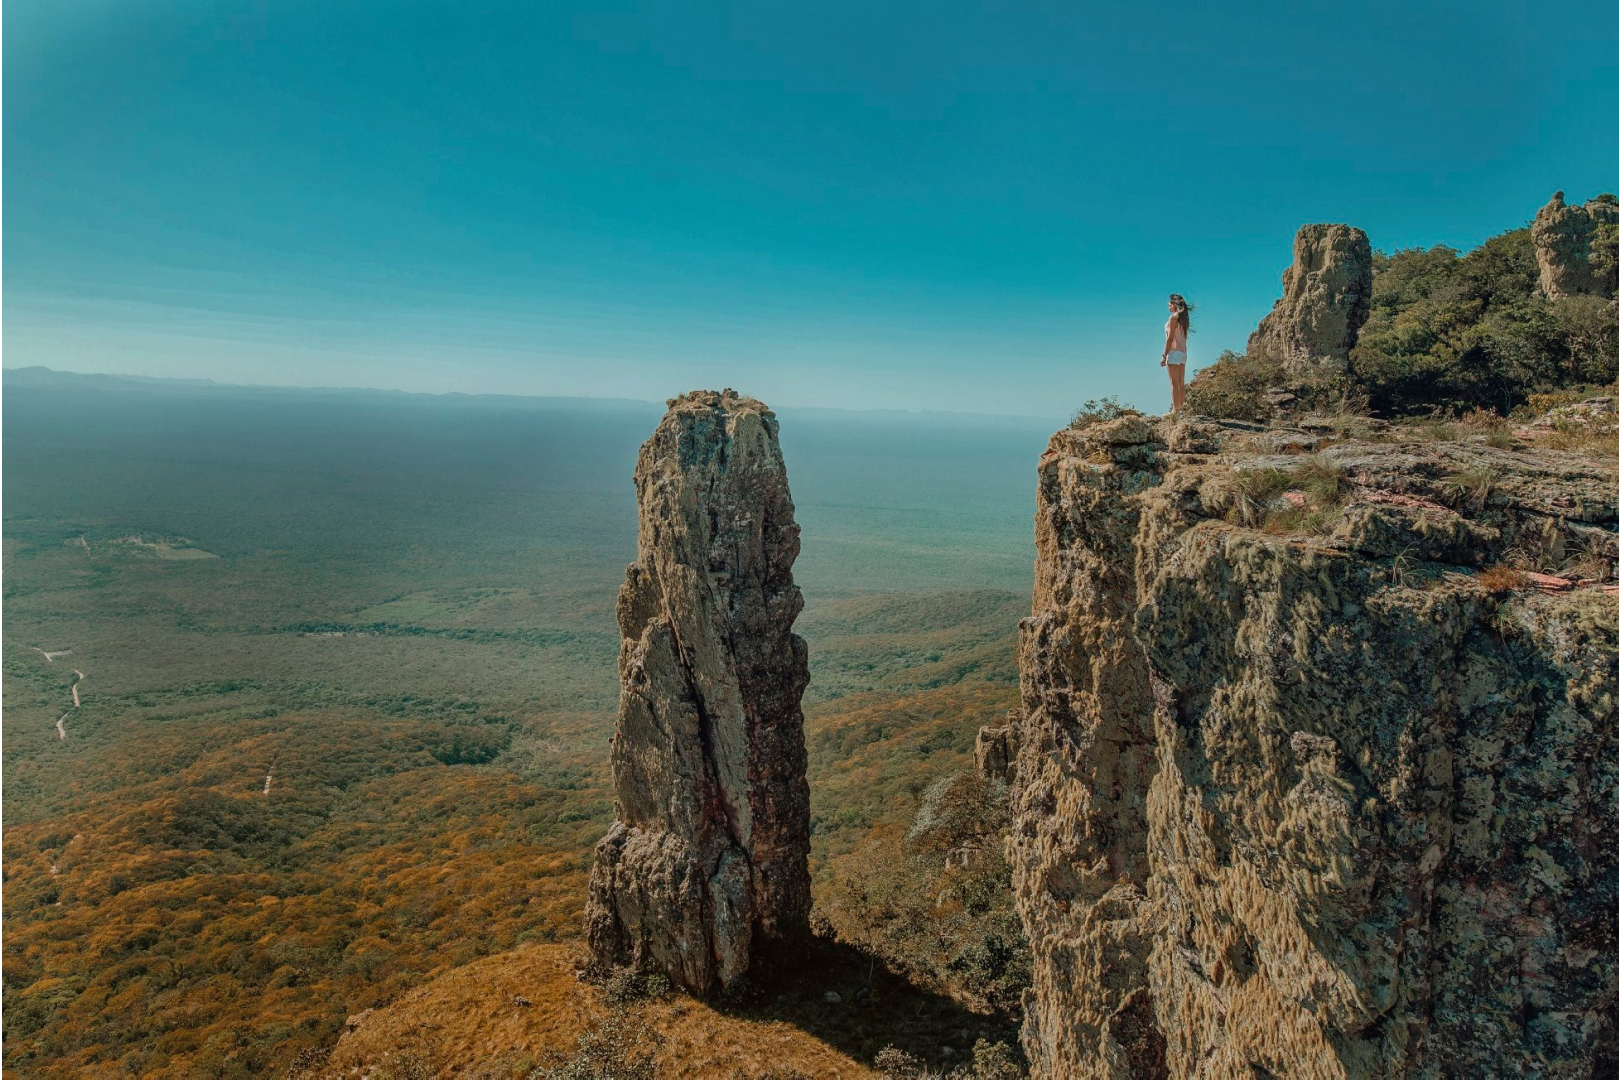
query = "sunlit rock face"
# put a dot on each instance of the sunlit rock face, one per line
(707, 860)
(1575, 247)
(1327, 296)
(1321, 803)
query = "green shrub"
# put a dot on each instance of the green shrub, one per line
(991, 1061)
(1470, 488)
(893, 1063)
(1232, 388)
(1451, 332)
(1096, 412)
(995, 1061)
(626, 986)
(937, 903)
(621, 1047)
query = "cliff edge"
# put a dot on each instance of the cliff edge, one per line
(1308, 781)
(708, 856)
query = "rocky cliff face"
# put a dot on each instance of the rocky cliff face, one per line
(1575, 247)
(1327, 296)
(1299, 791)
(707, 859)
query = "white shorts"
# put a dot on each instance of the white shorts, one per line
(1176, 359)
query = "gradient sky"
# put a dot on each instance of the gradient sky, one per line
(901, 205)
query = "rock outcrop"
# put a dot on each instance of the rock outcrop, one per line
(1575, 247)
(995, 751)
(1334, 802)
(707, 859)
(1327, 296)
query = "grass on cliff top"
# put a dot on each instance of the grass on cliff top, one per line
(1550, 421)
(1303, 499)
(1101, 411)
(1470, 488)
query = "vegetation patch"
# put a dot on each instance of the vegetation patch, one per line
(1302, 500)
(1101, 411)
(1449, 335)
(621, 1046)
(1470, 488)
(1235, 387)
(1500, 579)
(990, 1061)
(935, 900)
(1451, 332)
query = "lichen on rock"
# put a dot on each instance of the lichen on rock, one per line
(1327, 296)
(707, 858)
(1315, 803)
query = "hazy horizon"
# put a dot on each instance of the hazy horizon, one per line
(141, 378)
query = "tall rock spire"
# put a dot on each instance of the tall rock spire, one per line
(708, 857)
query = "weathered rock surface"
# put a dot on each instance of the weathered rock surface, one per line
(707, 859)
(1575, 247)
(1314, 805)
(1327, 296)
(995, 751)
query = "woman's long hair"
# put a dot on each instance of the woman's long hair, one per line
(1183, 312)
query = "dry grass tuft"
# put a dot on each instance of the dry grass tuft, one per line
(1255, 492)
(1587, 440)
(1494, 429)
(1304, 499)
(1500, 579)
(1432, 431)
(1296, 520)
(1097, 412)
(1323, 482)
(1470, 488)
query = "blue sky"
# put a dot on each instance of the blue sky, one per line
(903, 205)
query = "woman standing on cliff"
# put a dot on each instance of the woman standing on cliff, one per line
(1174, 357)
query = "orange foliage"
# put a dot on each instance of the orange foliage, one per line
(169, 930)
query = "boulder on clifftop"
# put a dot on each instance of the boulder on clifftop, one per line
(1575, 247)
(708, 856)
(1327, 296)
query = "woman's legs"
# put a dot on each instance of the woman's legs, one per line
(1178, 391)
